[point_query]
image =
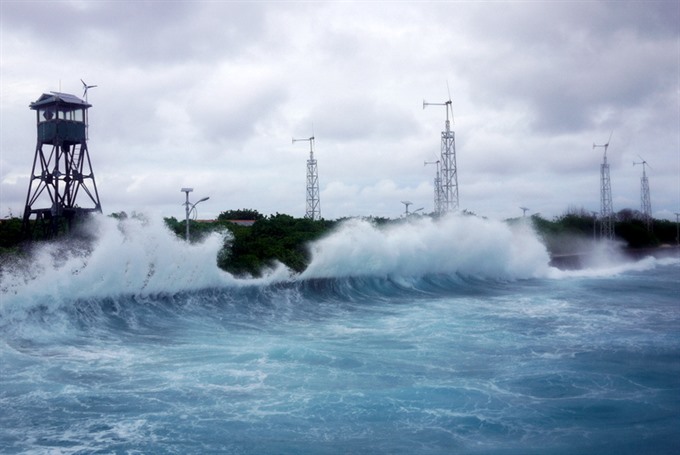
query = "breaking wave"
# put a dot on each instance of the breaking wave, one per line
(141, 257)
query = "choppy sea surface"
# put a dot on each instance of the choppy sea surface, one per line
(448, 337)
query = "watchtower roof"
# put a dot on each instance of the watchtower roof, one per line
(59, 98)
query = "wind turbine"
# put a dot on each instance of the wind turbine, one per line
(449, 176)
(86, 88)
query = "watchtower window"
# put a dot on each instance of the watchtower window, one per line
(74, 115)
(45, 115)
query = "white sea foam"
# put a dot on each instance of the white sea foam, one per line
(132, 256)
(140, 256)
(614, 265)
(464, 245)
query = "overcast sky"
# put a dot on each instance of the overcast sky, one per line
(209, 94)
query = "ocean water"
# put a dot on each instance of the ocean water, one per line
(449, 337)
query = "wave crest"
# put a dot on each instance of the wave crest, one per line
(463, 245)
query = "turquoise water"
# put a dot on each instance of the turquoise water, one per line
(428, 338)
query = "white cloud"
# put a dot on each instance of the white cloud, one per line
(209, 94)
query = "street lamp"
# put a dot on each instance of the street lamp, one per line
(189, 207)
(406, 203)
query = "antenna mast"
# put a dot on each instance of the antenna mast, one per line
(644, 196)
(606, 208)
(449, 174)
(437, 188)
(313, 211)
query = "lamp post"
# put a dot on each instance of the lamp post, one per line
(406, 204)
(188, 207)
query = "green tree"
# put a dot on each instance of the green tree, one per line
(278, 237)
(11, 234)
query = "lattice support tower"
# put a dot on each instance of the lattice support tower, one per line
(313, 205)
(645, 199)
(606, 207)
(438, 209)
(62, 187)
(449, 171)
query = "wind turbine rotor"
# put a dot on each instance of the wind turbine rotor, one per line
(86, 88)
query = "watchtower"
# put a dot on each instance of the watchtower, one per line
(62, 176)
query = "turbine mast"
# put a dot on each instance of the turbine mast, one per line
(646, 202)
(438, 209)
(606, 208)
(449, 173)
(313, 210)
